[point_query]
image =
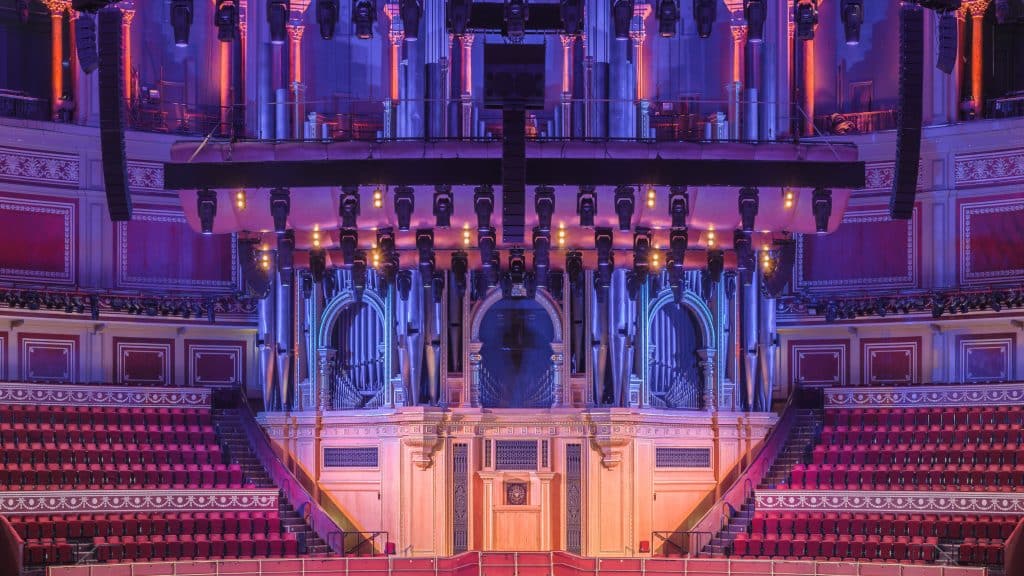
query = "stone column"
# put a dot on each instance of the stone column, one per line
(474, 374)
(977, 10)
(324, 379)
(566, 103)
(637, 35)
(56, 8)
(467, 86)
(738, 27)
(295, 32)
(128, 10)
(709, 396)
(558, 387)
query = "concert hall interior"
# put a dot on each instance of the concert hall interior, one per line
(512, 287)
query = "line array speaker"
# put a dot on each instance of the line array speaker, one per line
(112, 114)
(908, 119)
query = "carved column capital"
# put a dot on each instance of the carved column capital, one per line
(57, 7)
(325, 376)
(295, 32)
(467, 40)
(976, 8)
(739, 32)
(567, 40)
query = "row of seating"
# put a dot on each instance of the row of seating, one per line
(981, 551)
(927, 454)
(20, 434)
(48, 551)
(891, 436)
(853, 523)
(912, 416)
(859, 547)
(108, 415)
(196, 474)
(136, 524)
(200, 546)
(904, 477)
(138, 454)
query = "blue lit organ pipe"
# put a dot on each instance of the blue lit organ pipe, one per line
(266, 343)
(769, 350)
(598, 337)
(598, 33)
(299, 326)
(433, 316)
(284, 331)
(749, 291)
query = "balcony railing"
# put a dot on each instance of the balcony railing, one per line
(18, 105)
(1009, 106)
(849, 123)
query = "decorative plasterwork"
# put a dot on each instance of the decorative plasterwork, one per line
(29, 207)
(875, 353)
(880, 175)
(967, 211)
(988, 168)
(833, 352)
(1002, 346)
(892, 502)
(959, 395)
(111, 501)
(118, 396)
(146, 176)
(39, 167)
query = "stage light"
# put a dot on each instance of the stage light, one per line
(748, 206)
(425, 247)
(206, 205)
(541, 255)
(586, 206)
(852, 14)
(755, 13)
(240, 199)
(745, 258)
(460, 270)
(286, 256)
(574, 268)
(561, 234)
(410, 11)
(94, 307)
(624, 204)
(317, 264)
(359, 275)
(388, 256)
(277, 18)
(483, 205)
(544, 204)
(487, 240)
(458, 12)
(571, 12)
(788, 198)
(378, 197)
(348, 241)
(466, 238)
(603, 240)
(704, 14)
(327, 12)
(517, 12)
(668, 18)
(364, 14)
(641, 252)
(182, 14)
(405, 203)
(443, 206)
(316, 236)
(821, 204)
(678, 238)
(225, 18)
(280, 207)
(710, 237)
(652, 197)
(716, 264)
(678, 205)
(622, 15)
(265, 261)
(806, 19)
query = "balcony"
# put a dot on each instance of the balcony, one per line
(849, 123)
(18, 105)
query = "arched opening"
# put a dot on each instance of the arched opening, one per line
(358, 380)
(516, 370)
(675, 379)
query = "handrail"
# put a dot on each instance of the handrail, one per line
(295, 483)
(682, 542)
(377, 542)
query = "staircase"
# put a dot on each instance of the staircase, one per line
(235, 444)
(802, 437)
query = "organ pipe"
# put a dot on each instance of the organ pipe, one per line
(748, 334)
(266, 344)
(285, 338)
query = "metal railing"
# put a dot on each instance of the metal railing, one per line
(355, 543)
(18, 105)
(685, 544)
(850, 123)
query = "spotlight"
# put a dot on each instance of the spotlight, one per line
(225, 18)
(483, 205)
(443, 206)
(517, 12)
(378, 197)
(327, 17)
(460, 270)
(286, 256)
(603, 238)
(668, 18)
(745, 259)
(622, 14)
(641, 253)
(755, 13)
(364, 14)
(938, 309)
(541, 255)
(716, 264)
(94, 306)
(437, 286)
(852, 14)
(411, 11)
(586, 206)
(458, 12)
(211, 312)
(704, 13)
(574, 268)
(748, 205)
(821, 204)
(425, 247)
(882, 307)
(806, 19)
(206, 205)
(348, 239)
(317, 264)
(831, 312)
(405, 203)
(359, 275)
(487, 241)
(678, 238)
(277, 17)
(544, 203)
(403, 281)
(571, 12)
(788, 198)
(280, 207)
(182, 12)
(624, 203)
(348, 206)
(678, 205)
(240, 200)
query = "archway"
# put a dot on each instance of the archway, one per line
(354, 350)
(516, 370)
(681, 340)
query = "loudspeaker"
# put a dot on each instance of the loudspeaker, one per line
(908, 119)
(947, 42)
(85, 42)
(112, 114)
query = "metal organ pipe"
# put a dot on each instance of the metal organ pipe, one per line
(748, 334)
(266, 345)
(284, 323)
(768, 355)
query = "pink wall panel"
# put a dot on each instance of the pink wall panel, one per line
(986, 357)
(991, 232)
(144, 361)
(890, 360)
(819, 362)
(215, 362)
(876, 253)
(48, 357)
(158, 250)
(52, 226)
